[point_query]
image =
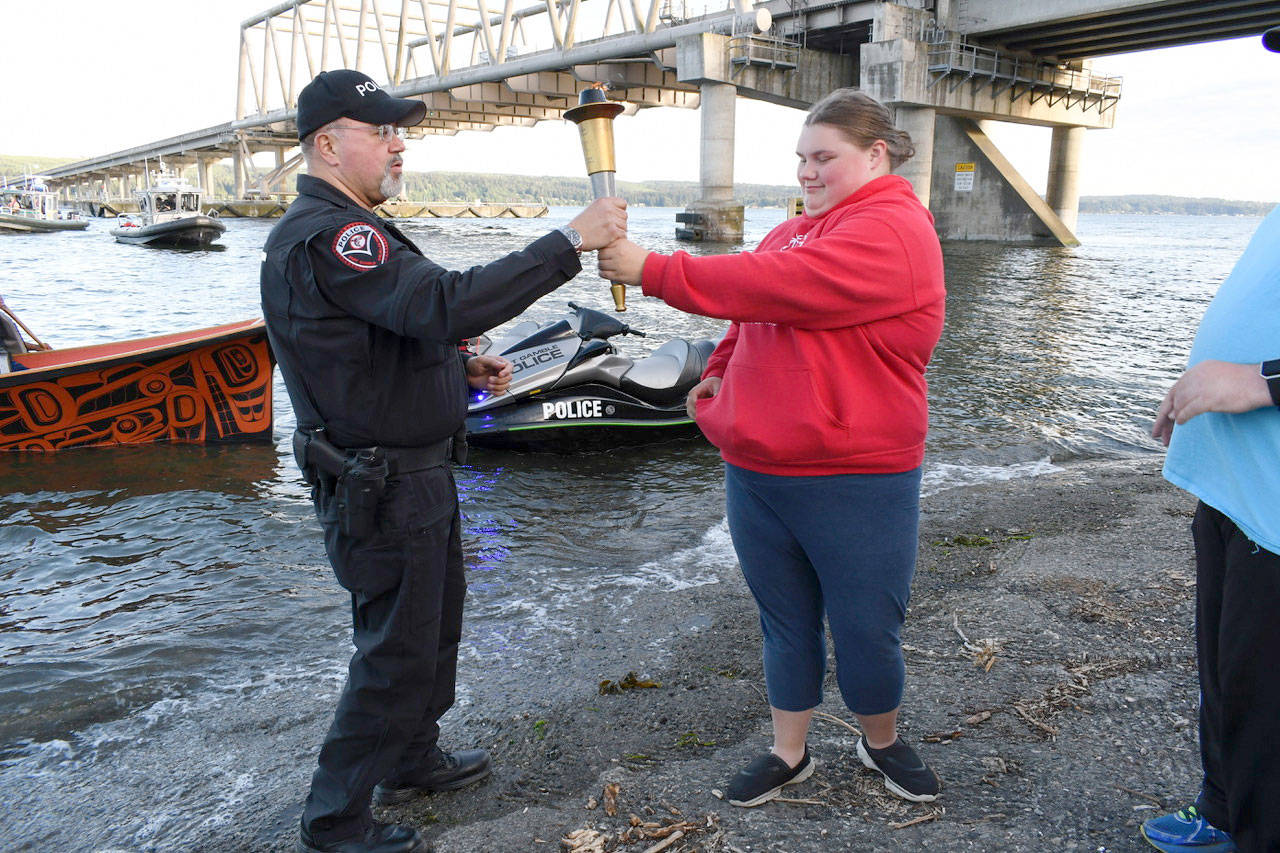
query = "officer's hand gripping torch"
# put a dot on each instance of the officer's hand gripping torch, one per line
(594, 117)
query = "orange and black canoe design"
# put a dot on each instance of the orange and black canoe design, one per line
(201, 386)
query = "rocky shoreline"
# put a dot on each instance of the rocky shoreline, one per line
(1050, 682)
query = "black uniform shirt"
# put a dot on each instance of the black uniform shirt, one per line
(365, 328)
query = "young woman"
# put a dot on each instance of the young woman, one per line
(816, 399)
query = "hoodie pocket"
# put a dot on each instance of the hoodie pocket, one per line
(773, 413)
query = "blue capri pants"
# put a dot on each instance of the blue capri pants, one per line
(843, 545)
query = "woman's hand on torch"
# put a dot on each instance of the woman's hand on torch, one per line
(622, 262)
(601, 222)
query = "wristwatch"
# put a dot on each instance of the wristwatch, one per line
(1271, 372)
(571, 234)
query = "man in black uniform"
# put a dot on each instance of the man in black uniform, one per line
(366, 331)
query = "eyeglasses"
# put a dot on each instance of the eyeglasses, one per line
(385, 132)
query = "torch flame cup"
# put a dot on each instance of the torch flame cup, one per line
(594, 117)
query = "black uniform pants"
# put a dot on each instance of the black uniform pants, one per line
(407, 587)
(1238, 643)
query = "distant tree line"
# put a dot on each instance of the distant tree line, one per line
(16, 167)
(553, 190)
(471, 186)
(1168, 204)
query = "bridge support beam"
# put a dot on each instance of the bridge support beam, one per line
(703, 60)
(237, 169)
(1063, 190)
(919, 123)
(202, 174)
(913, 66)
(977, 194)
(715, 217)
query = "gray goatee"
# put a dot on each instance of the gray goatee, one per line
(391, 187)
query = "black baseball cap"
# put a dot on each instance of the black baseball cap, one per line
(1271, 39)
(350, 94)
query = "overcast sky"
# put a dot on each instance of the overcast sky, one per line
(1200, 121)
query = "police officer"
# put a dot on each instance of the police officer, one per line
(365, 330)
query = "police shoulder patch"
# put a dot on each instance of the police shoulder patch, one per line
(361, 246)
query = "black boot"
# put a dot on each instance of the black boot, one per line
(450, 772)
(379, 838)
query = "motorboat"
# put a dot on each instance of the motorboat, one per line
(30, 206)
(199, 386)
(572, 389)
(169, 216)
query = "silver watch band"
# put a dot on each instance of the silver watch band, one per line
(571, 234)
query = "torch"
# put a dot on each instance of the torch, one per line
(594, 117)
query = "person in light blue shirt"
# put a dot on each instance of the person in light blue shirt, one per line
(1221, 422)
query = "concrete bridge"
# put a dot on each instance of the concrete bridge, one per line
(946, 67)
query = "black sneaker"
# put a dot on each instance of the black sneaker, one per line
(905, 775)
(762, 779)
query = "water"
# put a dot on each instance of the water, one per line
(171, 637)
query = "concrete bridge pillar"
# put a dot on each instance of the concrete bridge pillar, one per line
(237, 168)
(918, 122)
(202, 174)
(719, 109)
(280, 171)
(715, 217)
(1063, 190)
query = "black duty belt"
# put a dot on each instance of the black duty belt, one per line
(357, 476)
(406, 460)
(315, 456)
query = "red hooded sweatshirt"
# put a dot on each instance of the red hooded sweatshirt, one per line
(834, 321)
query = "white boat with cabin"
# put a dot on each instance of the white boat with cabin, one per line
(29, 206)
(169, 215)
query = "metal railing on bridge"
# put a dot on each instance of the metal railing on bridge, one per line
(954, 59)
(749, 49)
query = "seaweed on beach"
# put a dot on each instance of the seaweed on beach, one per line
(628, 682)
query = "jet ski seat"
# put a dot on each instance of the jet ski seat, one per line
(667, 373)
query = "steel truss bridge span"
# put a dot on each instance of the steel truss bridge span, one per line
(474, 67)
(511, 67)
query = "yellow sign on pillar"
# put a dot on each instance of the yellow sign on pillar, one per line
(964, 177)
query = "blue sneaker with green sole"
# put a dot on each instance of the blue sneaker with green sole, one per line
(1186, 831)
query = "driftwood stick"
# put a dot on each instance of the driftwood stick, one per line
(922, 819)
(832, 718)
(666, 842)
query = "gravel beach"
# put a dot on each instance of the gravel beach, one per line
(1050, 682)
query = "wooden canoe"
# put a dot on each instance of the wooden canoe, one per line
(199, 386)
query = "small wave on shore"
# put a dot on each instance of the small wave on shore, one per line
(947, 475)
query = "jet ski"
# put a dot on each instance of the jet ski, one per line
(572, 390)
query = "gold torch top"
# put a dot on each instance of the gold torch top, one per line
(592, 103)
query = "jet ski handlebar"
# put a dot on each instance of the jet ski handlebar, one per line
(599, 325)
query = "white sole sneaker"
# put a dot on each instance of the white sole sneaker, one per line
(892, 786)
(803, 774)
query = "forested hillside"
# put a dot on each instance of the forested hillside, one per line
(556, 190)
